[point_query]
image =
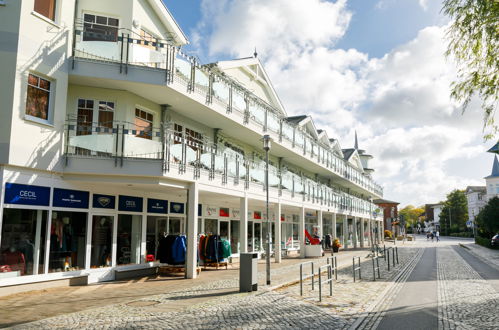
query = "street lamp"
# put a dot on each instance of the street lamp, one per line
(266, 146)
(371, 221)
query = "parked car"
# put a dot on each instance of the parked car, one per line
(495, 240)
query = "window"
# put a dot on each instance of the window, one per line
(102, 241)
(143, 124)
(129, 239)
(100, 28)
(46, 8)
(177, 135)
(148, 38)
(22, 251)
(106, 114)
(38, 99)
(194, 139)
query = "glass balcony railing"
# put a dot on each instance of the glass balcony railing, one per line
(127, 48)
(185, 155)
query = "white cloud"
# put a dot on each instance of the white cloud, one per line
(423, 4)
(399, 104)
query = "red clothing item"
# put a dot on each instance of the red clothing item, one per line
(15, 260)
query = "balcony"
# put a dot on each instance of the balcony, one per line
(218, 92)
(182, 156)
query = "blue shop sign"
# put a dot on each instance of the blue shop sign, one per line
(157, 206)
(70, 198)
(104, 201)
(177, 208)
(23, 194)
(130, 203)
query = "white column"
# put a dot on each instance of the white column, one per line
(361, 234)
(243, 224)
(301, 232)
(334, 227)
(192, 230)
(370, 229)
(320, 223)
(36, 257)
(47, 243)
(277, 241)
(88, 248)
(345, 232)
(143, 242)
(115, 242)
(354, 233)
(381, 231)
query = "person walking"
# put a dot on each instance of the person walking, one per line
(437, 234)
(431, 235)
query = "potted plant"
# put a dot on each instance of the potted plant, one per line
(336, 245)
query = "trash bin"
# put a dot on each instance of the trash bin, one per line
(248, 267)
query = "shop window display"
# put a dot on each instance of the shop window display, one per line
(22, 250)
(102, 241)
(234, 236)
(210, 226)
(67, 241)
(129, 238)
(174, 225)
(224, 230)
(258, 234)
(250, 236)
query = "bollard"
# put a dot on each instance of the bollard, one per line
(397, 253)
(329, 280)
(356, 268)
(388, 263)
(334, 266)
(393, 257)
(307, 276)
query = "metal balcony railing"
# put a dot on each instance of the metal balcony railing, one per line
(186, 155)
(126, 49)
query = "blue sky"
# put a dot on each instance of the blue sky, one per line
(372, 66)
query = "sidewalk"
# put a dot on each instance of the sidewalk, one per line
(488, 255)
(36, 305)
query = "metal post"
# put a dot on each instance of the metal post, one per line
(397, 253)
(266, 147)
(301, 279)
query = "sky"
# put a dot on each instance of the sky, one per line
(375, 67)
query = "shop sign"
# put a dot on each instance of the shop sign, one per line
(157, 206)
(104, 201)
(211, 211)
(236, 213)
(70, 198)
(257, 215)
(283, 217)
(224, 212)
(177, 208)
(311, 214)
(26, 194)
(130, 203)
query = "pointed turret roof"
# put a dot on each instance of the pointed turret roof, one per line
(494, 149)
(356, 146)
(495, 169)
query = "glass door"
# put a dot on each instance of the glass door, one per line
(210, 226)
(250, 236)
(224, 229)
(258, 236)
(102, 241)
(175, 226)
(234, 236)
(129, 239)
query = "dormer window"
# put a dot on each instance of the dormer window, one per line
(100, 28)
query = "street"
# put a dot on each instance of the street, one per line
(444, 285)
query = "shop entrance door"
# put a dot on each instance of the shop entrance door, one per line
(157, 228)
(224, 229)
(102, 241)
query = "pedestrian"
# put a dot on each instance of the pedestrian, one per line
(431, 235)
(437, 234)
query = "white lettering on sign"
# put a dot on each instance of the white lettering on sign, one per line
(130, 203)
(27, 194)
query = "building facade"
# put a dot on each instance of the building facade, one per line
(476, 197)
(112, 137)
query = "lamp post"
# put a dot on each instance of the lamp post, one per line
(371, 221)
(266, 147)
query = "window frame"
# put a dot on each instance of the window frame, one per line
(54, 11)
(50, 108)
(147, 112)
(117, 27)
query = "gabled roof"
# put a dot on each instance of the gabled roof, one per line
(348, 153)
(305, 122)
(169, 21)
(296, 119)
(471, 189)
(384, 201)
(253, 67)
(335, 144)
(495, 169)
(322, 134)
(352, 156)
(494, 149)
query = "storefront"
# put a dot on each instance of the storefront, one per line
(50, 233)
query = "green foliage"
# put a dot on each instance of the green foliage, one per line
(388, 233)
(463, 234)
(474, 43)
(485, 242)
(411, 215)
(454, 213)
(488, 218)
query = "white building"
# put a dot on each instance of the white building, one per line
(437, 209)
(477, 199)
(492, 181)
(112, 137)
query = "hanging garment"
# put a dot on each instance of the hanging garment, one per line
(226, 249)
(328, 241)
(179, 250)
(201, 246)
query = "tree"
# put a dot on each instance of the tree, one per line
(411, 215)
(488, 218)
(454, 213)
(474, 43)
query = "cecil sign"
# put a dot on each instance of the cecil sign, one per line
(26, 194)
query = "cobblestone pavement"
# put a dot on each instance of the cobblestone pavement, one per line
(487, 255)
(465, 300)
